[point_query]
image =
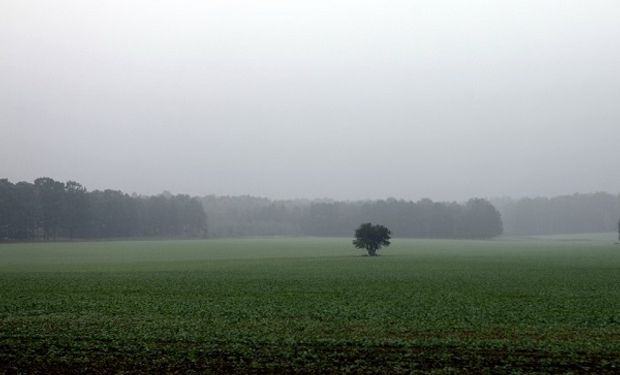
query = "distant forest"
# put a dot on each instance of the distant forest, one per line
(49, 209)
(250, 216)
(577, 213)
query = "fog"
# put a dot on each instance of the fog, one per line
(292, 99)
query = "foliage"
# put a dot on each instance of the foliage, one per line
(310, 306)
(371, 237)
(577, 213)
(250, 216)
(49, 209)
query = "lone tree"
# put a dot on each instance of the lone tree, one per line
(371, 237)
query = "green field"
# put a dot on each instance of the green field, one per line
(546, 305)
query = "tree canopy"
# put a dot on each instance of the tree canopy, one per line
(576, 213)
(49, 209)
(371, 237)
(251, 216)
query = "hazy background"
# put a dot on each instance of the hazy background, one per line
(341, 99)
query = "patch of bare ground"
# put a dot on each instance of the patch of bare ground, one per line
(310, 358)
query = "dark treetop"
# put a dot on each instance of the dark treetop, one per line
(371, 237)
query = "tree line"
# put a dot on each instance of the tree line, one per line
(47, 209)
(577, 213)
(250, 216)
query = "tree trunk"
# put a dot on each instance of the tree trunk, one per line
(372, 252)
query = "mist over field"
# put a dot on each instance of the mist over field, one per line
(309, 187)
(349, 100)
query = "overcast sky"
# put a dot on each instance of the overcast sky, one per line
(341, 99)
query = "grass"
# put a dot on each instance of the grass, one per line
(311, 306)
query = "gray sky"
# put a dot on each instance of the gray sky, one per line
(342, 99)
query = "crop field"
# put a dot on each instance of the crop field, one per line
(311, 305)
